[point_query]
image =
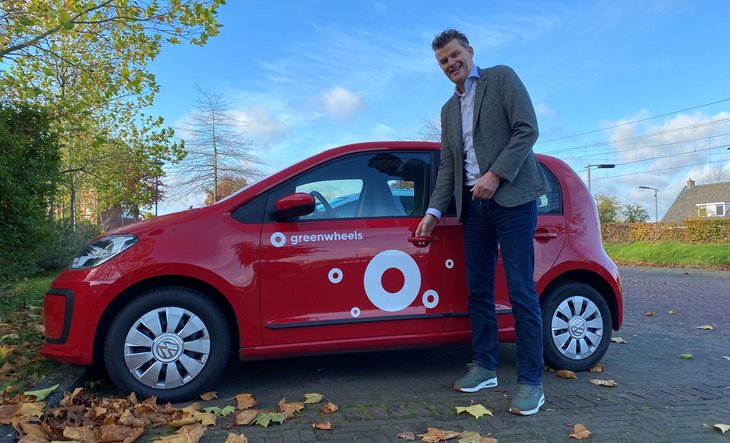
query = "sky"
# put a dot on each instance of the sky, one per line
(641, 84)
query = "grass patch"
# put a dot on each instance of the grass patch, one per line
(706, 255)
(21, 333)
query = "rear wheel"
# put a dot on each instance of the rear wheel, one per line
(170, 342)
(576, 326)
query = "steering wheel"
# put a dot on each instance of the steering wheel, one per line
(328, 211)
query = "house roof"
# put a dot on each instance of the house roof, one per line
(684, 207)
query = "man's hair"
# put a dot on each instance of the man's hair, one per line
(446, 36)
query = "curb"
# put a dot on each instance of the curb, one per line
(66, 376)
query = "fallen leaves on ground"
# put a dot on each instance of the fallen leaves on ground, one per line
(650, 314)
(324, 426)
(477, 411)
(41, 394)
(726, 357)
(599, 367)
(686, 356)
(410, 436)
(434, 435)
(329, 408)
(618, 340)
(246, 417)
(580, 432)
(266, 418)
(721, 428)
(475, 437)
(706, 327)
(288, 409)
(672, 311)
(312, 398)
(245, 401)
(236, 438)
(564, 373)
(209, 395)
(607, 383)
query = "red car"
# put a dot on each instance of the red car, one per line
(317, 258)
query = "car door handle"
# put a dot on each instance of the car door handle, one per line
(543, 234)
(423, 240)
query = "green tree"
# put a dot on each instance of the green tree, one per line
(608, 208)
(634, 213)
(29, 162)
(87, 62)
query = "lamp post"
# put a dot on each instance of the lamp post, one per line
(656, 210)
(159, 164)
(598, 166)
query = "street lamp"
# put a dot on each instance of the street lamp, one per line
(656, 211)
(159, 164)
(598, 166)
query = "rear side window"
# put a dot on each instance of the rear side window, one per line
(550, 203)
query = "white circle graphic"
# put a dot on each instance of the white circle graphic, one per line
(335, 275)
(449, 264)
(430, 299)
(392, 301)
(355, 312)
(278, 239)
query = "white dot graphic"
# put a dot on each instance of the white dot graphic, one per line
(335, 275)
(278, 239)
(430, 299)
(355, 312)
(449, 264)
(396, 301)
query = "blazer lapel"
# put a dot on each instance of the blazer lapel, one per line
(481, 88)
(454, 116)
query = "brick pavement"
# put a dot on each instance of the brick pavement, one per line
(660, 397)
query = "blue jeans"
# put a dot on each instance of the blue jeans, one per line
(488, 225)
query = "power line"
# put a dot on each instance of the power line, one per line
(632, 122)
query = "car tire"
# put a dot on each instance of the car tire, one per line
(170, 342)
(576, 326)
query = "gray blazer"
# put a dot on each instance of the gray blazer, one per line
(505, 129)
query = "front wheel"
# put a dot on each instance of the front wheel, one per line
(169, 342)
(576, 326)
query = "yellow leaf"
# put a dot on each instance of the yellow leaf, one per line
(233, 438)
(706, 327)
(580, 432)
(672, 311)
(607, 383)
(564, 373)
(245, 401)
(470, 437)
(599, 367)
(41, 393)
(618, 340)
(265, 419)
(6, 350)
(477, 411)
(686, 356)
(313, 398)
(722, 428)
(434, 435)
(208, 395)
(325, 426)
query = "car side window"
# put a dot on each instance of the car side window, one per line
(550, 203)
(380, 184)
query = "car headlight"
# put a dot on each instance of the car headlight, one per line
(103, 249)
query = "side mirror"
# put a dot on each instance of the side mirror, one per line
(294, 205)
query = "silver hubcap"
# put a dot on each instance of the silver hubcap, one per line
(577, 327)
(167, 347)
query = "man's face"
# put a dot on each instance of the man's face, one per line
(456, 62)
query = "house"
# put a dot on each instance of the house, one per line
(712, 200)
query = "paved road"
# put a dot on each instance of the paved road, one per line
(660, 397)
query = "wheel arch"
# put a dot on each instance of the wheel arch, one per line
(167, 280)
(592, 279)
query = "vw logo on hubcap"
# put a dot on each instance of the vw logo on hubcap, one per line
(167, 348)
(577, 327)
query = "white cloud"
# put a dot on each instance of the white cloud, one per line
(258, 122)
(341, 103)
(381, 131)
(545, 110)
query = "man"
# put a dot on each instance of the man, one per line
(488, 128)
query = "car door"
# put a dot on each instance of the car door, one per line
(348, 270)
(550, 237)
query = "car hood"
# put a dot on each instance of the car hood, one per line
(161, 221)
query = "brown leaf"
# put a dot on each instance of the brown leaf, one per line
(233, 438)
(721, 427)
(599, 367)
(206, 396)
(186, 434)
(406, 436)
(245, 401)
(607, 383)
(618, 340)
(329, 408)
(435, 435)
(325, 426)
(128, 419)
(650, 314)
(114, 433)
(85, 433)
(7, 412)
(72, 398)
(564, 373)
(580, 432)
(672, 311)
(288, 409)
(247, 417)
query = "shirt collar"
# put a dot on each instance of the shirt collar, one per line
(473, 76)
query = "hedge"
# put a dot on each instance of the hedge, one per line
(690, 231)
